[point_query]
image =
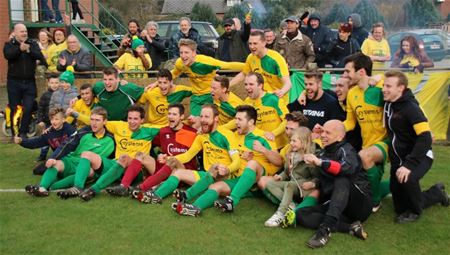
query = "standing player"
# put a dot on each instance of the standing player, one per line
(159, 98)
(219, 152)
(410, 150)
(269, 63)
(225, 100)
(174, 139)
(94, 139)
(200, 70)
(365, 107)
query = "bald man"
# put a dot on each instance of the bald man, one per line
(345, 200)
(76, 56)
(22, 54)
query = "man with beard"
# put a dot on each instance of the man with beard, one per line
(225, 100)
(320, 106)
(232, 43)
(294, 46)
(160, 97)
(220, 157)
(271, 110)
(269, 63)
(258, 157)
(133, 30)
(174, 139)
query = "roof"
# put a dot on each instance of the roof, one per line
(218, 6)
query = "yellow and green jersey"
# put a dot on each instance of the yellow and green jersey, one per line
(366, 108)
(219, 147)
(372, 47)
(272, 67)
(245, 143)
(84, 112)
(271, 111)
(201, 73)
(129, 63)
(158, 104)
(129, 142)
(227, 109)
(53, 52)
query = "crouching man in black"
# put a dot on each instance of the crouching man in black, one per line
(345, 198)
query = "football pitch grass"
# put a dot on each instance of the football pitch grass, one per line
(107, 225)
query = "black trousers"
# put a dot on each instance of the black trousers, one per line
(409, 196)
(22, 92)
(346, 205)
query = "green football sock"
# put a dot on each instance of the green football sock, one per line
(271, 197)
(49, 177)
(246, 181)
(167, 187)
(200, 186)
(64, 183)
(207, 199)
(385, 188)
(374, 175)
(307, 202)
(109, 177)
(82, 172)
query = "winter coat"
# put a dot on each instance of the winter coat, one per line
(237, 45)
(43, 106)
(83, 59)
(298, 52)
(339, 49)
(21, 64)
(358, 31)
(62, 98)
(321, 37)
(156, 49)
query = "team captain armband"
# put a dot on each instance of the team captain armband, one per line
(331, 166)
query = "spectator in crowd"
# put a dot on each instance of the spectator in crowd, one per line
(233, 43)
(43, 106)
(45, 41)
(270, 38)
(188, 32)
(133, 30)
(345, 199)
(410, 55)
(321, 37)
(295, 47)
(376, 47)
(76, 56)
(47, 15)
(358, 32)
(22, 53)
(283, 27)
(320, 106)
(410, 151)
(59, 44)
(345, 45)
(136, 60)
(66, 92)
(76, 10)
(154, 45)
(81, 109)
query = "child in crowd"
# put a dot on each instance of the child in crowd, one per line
(66, 92)
(58, 133)
(297, 179)
(43, 106)
(137, 60)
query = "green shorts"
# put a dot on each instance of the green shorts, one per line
(384, 148)
(70, 165)
(197, 101)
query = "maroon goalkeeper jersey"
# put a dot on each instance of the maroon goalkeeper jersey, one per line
(174, 142)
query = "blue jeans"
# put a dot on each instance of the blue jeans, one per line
(46, 13)
(21, 92)
(55, 6)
